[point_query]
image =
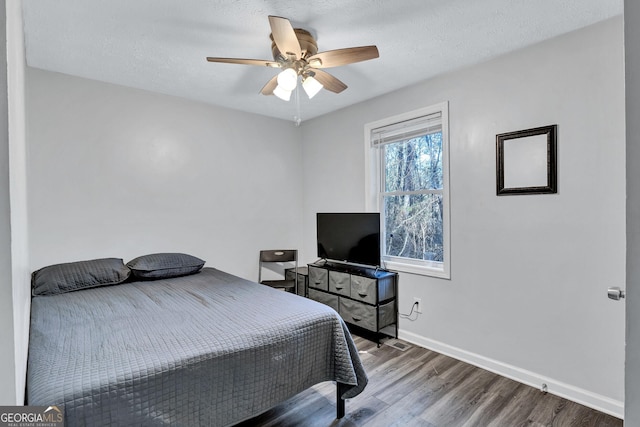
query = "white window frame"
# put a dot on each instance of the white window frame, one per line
(373, 187)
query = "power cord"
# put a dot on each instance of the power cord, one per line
(408, 316)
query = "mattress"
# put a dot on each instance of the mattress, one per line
(205, 349)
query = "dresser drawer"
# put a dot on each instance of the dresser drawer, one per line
(325, 298)
(363, 289)
(318, 278)
(387, 314)
(359, 314)
(340, 283)
(290, 274)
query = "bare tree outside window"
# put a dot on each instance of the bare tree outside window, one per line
(412, 198)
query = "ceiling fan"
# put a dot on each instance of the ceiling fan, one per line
(295, 51)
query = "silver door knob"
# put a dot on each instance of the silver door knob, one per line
(615, 293)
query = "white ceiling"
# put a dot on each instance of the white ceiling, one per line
(161, 45)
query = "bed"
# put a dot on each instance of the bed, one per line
(202, 348)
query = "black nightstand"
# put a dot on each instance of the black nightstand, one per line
(303, 279)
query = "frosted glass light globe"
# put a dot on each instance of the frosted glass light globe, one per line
(311, 86)
(288, 79)
(281, 93)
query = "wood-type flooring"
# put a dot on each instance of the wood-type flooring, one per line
(419, 387)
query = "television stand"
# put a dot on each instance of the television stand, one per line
(363, 296)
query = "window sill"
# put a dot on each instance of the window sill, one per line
(421, 270)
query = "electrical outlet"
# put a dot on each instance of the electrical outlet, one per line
(418, 304)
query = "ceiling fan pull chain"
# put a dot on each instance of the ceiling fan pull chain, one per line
(298, 117)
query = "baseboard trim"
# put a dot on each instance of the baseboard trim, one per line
(584, 397)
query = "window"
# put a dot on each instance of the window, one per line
(408, 183)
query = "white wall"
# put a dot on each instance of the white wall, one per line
(15, 300)
(632, 76)
(7, 356)
(118, 172)
(527, 295)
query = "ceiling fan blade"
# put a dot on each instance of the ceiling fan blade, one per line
(260, 62)
(329, 82)
(270, 86)
(335, 58)
(284, 36)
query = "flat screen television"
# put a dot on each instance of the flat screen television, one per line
(349, 237)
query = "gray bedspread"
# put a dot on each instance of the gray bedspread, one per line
(207, 349)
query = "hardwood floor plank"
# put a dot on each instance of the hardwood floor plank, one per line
(517, 410)
(406, 407)
(421, 388)
(548, 409)
(363, 413)
(461, 399)
(493, 404)
(415, 377)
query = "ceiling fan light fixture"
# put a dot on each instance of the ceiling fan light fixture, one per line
(281, 93)
(311, 86)
(288, 79)
(295, 52)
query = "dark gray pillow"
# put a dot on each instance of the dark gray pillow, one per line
(164, 265)
(72, 276)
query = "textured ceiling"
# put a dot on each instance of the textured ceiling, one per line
(161, 45)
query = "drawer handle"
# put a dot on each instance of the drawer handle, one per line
(339, 287)
(362, 295)
(356, 319)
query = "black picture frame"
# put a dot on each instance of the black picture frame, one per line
(526, 161)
